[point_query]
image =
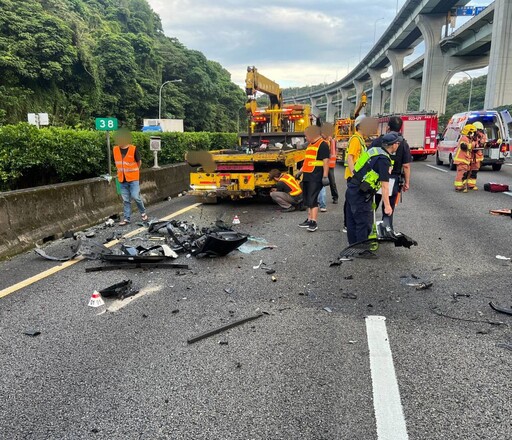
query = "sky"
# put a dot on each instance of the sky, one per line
(293, 42)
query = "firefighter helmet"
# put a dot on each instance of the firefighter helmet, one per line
(468, 130)
(478, 125)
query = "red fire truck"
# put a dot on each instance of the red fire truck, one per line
(419, 130)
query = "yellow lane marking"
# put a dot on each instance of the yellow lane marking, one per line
(66, 264)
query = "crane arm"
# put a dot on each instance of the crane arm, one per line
(255, 82)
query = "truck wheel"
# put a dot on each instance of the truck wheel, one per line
(453, 167)
(438, 161)
(496, 166)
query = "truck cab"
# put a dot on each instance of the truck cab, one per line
(498, 144)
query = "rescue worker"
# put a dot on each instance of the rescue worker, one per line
(327, 131)
(287, 193)
(463, 157)
(356, 146)
(128, 162)
(371, 172)
(315, 171)
(477, 154)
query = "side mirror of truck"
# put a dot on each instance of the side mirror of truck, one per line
(439, 137)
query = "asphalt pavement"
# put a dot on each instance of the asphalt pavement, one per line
(301, 371)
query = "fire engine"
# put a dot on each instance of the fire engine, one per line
(419, 130)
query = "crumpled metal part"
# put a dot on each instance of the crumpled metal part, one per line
(121, 290)
(43, 254)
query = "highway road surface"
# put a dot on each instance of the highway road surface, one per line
(342, 352)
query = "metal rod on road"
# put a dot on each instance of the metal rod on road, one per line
(223, 328)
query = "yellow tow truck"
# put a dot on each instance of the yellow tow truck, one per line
(274, 139)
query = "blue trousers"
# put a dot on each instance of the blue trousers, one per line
(359, 215)
(322, 203)
(129, 191)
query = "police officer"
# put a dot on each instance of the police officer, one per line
(371, 172)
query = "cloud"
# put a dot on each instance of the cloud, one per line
(293, 42)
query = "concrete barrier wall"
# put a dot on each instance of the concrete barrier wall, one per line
(30, 216)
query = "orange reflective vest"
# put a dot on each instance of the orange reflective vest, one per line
(291, 183)
(332, 157)
(461, 156)
(127, 168)
(310, 161)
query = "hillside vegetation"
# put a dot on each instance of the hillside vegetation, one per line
(79, 59)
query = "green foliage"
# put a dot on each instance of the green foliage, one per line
(31, 157)
(78, 59)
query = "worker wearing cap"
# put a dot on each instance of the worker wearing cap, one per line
(356, 146)
(477, 154)
(463, 157)
(370, 173)
(287, 192)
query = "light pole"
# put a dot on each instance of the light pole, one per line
(470, 86)
(160, 95)
(375, 29)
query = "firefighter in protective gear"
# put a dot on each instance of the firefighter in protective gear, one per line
(477, 154)
(287, 193)
(463, 157)
(371, 173)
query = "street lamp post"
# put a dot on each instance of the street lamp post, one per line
(375, 28)
(160, 95)
(470, 87)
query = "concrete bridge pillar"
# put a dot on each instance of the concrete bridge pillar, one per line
(434, 87)
(499, 77)
(401, 86)
(331, 108)
(359, 86)
(346, 105)
(315, 111)
(377, 91)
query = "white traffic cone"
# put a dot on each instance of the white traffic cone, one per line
(236, 220)
(96, 300)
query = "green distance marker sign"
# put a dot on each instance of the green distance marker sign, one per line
(106, 124)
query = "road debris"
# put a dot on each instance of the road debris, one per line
(259, 265)
(43, 254)
(32, 333)
(137, 265)
(328, 309)
(110, 223)
(274, 279)
(424, 286)
(335, 263)
(270, 271)
(505, 310)
(505, 345)
(456, 318)
(223, 328)
(229, 290)
(348, 277)
(507, 212)
(254, 244)
(121, 290)
(501, 257)
(349, 295)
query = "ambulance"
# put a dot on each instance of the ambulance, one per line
(497, 127)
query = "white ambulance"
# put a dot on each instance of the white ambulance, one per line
(496, 127)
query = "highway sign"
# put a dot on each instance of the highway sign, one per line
(106, 124)
(467, 11)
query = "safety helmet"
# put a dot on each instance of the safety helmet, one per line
(468, 129)
(478, 125)
(358, 120)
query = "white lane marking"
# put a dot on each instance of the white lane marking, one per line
(436, 168)
(118, 304)
(508, 193)
(509, 164)
(389, 413)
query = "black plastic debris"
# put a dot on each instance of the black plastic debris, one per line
(506, 310)
(349, 295)
(424, 286)
(270, 271)
(348, 277)
(335, 263)
(121, 290)
(223, 328)
(229, 290)
(32, 333)
(136, 265)
(43, 254)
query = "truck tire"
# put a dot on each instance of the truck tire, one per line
(438, 161)
(496, 166)
(453, 167)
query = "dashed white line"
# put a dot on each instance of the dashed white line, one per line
(436, 168)
(508, 193)
(389, 413)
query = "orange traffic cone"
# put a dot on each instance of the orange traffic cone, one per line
(236, 220)
(96, 300)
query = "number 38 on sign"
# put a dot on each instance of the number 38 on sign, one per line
(106, 124)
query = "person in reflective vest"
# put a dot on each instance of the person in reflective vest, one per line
(327, 131)
(371, 173)
(477, 154)
(463, 157)
(315, 171)
(287, 192)
(128, 162)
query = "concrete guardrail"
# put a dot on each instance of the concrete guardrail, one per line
(31, 216)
